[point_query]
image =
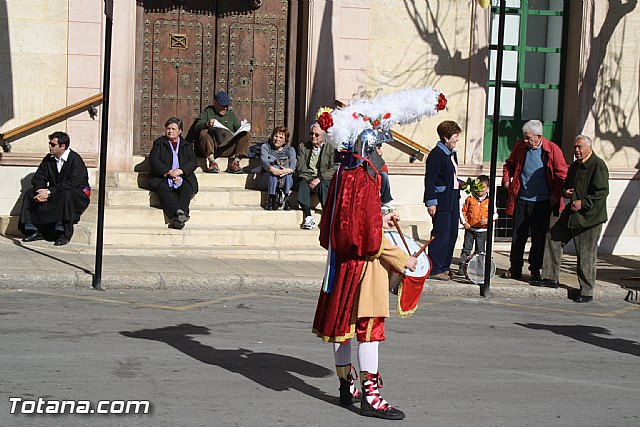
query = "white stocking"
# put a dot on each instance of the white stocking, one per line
(368, 356)
(342, 353)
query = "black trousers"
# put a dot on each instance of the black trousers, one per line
(173, 199)
(304, 192)
(58, 214)
(529, 218)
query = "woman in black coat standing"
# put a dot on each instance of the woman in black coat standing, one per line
(172, 178)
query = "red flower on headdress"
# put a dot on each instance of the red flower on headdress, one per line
(365, 118)
(376, 123)
(355, 115)
(442, 102)
(325, 121)
(386, 116)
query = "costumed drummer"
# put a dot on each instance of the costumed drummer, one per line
(354, 300)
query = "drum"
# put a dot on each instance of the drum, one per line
(408, 286)
(424, 263)
(474, 268)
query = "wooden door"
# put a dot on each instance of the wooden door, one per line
(190, 49)
(178, 46)
(251, 63)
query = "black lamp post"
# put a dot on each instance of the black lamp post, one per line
(108, 11)
(485, 289)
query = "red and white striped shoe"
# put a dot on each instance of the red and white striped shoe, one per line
(373, 405)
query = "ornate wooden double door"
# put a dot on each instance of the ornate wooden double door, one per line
(191, 49)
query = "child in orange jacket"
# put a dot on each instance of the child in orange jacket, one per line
(475, 219)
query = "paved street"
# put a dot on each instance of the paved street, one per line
(206, 357)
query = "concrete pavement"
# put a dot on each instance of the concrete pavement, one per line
(42, 265)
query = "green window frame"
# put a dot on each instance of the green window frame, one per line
(511, 126)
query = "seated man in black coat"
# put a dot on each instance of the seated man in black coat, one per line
(173, 163)
(59, 195)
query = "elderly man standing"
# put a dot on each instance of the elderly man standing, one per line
(587, 188)
(533, 175)
(314, 168)
(59, 195)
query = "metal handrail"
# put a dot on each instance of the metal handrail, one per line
(398, 137)
(28, 128)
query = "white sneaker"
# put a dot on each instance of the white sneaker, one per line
(308, 223)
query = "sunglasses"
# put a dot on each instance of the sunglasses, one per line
(53, 144)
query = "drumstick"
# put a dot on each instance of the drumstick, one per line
(424, 247)
(395, 222)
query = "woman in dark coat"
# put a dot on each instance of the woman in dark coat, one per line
(442, 198)
(172, 178)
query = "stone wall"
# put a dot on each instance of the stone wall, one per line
(55, 48)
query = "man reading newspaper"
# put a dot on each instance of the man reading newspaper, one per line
(219, 133)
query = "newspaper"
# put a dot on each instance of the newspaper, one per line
(224, 135)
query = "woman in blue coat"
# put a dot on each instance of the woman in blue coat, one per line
(442, 198)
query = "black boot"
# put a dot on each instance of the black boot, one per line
(287, 205)
(371, 383)
(272, 205)
(348, 391)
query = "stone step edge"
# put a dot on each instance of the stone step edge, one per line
(213, 227)
(228, 252)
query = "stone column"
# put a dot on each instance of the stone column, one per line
(123, 75)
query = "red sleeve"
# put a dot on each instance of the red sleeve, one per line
(510, 165)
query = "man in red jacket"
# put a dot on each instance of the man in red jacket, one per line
(534, 175)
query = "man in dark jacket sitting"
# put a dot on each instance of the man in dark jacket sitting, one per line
(59, 195)
(173, 162)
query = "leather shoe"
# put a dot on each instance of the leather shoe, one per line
(509, 274)
(535, 276)
(391, 413)
(176, 224)
(583, 298)
(33, 237)
(440, 276)
(182, 216)
(545, 283)
(61, 241)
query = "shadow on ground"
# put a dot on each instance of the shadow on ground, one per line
(270, 370)
(589, 335)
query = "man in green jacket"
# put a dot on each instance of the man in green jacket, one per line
(587, 188)
(212, 141)
(314, 168)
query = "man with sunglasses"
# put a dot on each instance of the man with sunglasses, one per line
(314, 168)
(59, 194)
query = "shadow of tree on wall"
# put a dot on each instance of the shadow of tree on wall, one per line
(324, 79)
(605, 101)
(440, 59)
(6, 77)
(603, 94)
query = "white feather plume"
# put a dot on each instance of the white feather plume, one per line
(404, 107)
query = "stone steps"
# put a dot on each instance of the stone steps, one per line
(218, 252)
(227, 221)
(212, 236)
(206, 197)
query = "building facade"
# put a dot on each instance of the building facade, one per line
(571, 64)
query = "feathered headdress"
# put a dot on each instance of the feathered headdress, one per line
(343, 126)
